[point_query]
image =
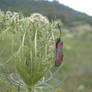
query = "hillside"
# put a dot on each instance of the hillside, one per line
(51, 9)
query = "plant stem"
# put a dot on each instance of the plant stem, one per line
(18, 88)
(29, 90)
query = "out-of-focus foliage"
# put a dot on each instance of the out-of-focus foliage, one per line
(10, 34)
(81, 88)
(50, 9)
(59, 90)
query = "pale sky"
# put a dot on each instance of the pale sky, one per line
(80, 5)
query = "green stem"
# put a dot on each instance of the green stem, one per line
(18, 88)
(29, 89)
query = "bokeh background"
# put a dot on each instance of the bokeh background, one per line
(77, 38)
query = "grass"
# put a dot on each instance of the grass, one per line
(78, 63)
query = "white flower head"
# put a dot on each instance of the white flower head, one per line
(37, 17)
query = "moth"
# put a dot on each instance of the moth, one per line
(59, 52)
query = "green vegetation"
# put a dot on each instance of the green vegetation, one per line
(77, 59)
(77, 51)
(50, 9)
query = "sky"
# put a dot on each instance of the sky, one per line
(80, 5)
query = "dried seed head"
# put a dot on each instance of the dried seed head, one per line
(36, 17)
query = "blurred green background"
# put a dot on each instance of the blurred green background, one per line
(77, 38)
